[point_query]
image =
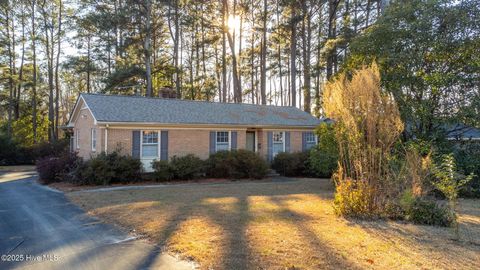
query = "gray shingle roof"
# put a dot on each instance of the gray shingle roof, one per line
(461, 131)
(112, 108)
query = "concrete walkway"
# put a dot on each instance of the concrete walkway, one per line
(41, 229)
(278, 179)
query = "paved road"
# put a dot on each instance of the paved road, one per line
(41, 225)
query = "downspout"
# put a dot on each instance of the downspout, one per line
(106, 138)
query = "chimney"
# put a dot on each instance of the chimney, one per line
(167, 92)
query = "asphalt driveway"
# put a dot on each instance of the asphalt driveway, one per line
(41, 229)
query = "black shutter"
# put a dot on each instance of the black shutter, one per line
(287, 141)
(136, 144)
(212, 141)
(269, 146)
(234, 140)
(164, 146)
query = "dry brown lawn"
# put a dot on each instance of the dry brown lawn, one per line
(281, 225)
(17, 168)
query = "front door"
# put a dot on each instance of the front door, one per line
(250, 141)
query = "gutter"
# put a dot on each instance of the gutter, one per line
(193, 125)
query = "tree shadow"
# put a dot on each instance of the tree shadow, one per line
(438, 242)
(324, 251)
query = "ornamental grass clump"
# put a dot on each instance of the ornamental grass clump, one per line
(368, 124)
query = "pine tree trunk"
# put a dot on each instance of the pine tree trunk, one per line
(237, 90)
(331, 56)
(263, 56)
(147, 46)
(175, 48)
(279, 59)
(293, 55)
(20, 74)
(57, 80)
(11, 66)
(34, 76)
(88, 64)
(224, 53)
(204, 59)
(306, 34)
(240, 53)
(49, 44)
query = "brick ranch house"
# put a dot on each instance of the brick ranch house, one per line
(159, 128)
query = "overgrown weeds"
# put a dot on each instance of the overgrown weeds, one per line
(378, 175)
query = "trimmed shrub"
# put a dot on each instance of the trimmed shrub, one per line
(424, 211)
(220, 165)
(163, 170)
(125, 168)
(247, 164)
(105, 169)
(187, 167)
(291, 164)
(236, 164)
(56, 168)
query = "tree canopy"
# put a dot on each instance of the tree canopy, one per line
(429, 56)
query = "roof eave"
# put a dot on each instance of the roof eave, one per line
(119, 123)
(79, 98)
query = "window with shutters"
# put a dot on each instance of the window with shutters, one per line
(310, 140)
(222, 140)
(149, 144)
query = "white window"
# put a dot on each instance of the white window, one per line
(222, 141)
(94, 139)
(278, 142)
(150, 144)
(77, 138)
(310, 140)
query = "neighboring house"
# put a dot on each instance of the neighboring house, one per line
(461, 132)
(158, 128)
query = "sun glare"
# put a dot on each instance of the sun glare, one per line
(233, 23)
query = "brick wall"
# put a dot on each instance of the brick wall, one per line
(262, 144)
(119, 140)
(184, 141)
(84, 123)
(197, 142)
(241, 139)
(295, 141)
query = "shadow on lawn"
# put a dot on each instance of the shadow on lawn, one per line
(234, 248)
(237, 250)
(438, 242)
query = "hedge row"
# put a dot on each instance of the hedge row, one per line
(105, 169)
(223, 164)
